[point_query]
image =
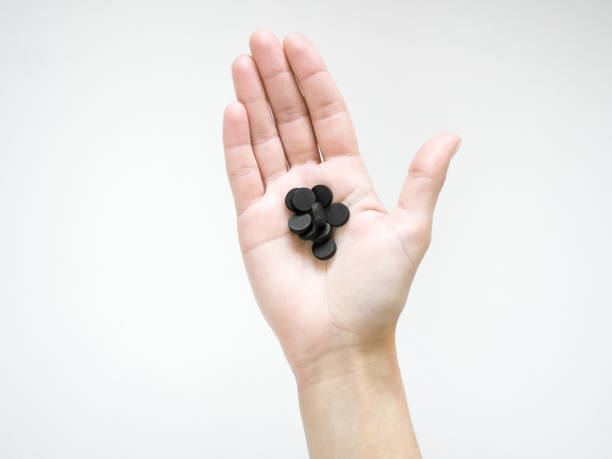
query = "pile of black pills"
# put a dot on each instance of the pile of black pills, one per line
(314, 217)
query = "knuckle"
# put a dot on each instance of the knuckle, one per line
(290, 113)
(241, 172)
(421, 233)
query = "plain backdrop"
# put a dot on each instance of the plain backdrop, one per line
(127, 325)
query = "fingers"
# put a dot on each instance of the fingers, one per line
(288, 106)
(242, 169)
(330, 119)
(264, 136)
(425, 179)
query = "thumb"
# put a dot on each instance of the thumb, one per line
(422, 186)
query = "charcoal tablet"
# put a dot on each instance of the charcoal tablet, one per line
(337, 214)
(289, 200)
(324, 235)
(324, 194)
(300, 223)
(325, 250)
(303, 199)
(318, 214)
(311, 234)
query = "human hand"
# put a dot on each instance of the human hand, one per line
(320, 310)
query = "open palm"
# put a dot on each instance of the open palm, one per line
(288, 110)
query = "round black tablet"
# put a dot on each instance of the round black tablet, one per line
(318, 214)
(303, 199)
(311, 234)
(324, 235)
(324, 194)
(300, 223)
(325, 250)
(337, 214)
(289, 200)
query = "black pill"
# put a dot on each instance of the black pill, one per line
(323, 194)
(324, 234)
(303, 199)
(289, 200)
(337, 214)
(324, 250)
(300, 223)
(318, 214)
(311, 234)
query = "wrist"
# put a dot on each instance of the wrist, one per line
(353, 404)
(371, 360)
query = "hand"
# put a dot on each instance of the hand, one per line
(320, 309)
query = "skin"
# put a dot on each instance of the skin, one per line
(335, 319)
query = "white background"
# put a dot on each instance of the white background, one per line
(127, 325)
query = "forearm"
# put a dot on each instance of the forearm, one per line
(353, 405)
